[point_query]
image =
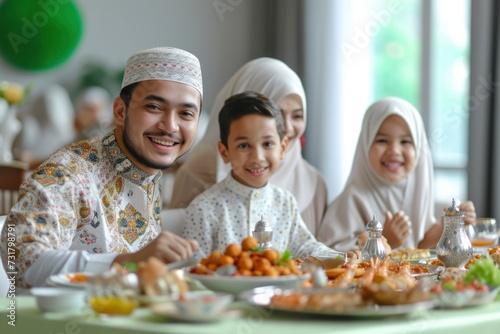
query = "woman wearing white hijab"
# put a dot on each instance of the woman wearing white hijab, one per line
(396, 184)
(204, 167)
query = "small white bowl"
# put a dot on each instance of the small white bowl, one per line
(202, 305)
(54, 299)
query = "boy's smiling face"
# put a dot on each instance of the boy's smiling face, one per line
(254, 149)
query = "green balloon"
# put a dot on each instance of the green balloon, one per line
(39, 34)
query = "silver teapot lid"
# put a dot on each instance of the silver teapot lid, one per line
(262, 226)
(374, 225)
(453, 209)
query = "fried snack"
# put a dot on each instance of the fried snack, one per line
(77, 278)
(233, 250)
(475, 257)
(410, 254)
(387, 296)
(155, 278)
(495, 254)
(148, 273)
(336, 301)
(271, 254)
(249, 243)
(248, 261)
(333, 273)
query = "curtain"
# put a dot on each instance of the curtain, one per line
(484, 109)
(306, 36)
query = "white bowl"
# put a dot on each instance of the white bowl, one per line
(203, 305)
(239, 284)
(55, 299)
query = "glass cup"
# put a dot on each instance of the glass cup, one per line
(111, 293)
(485, 232)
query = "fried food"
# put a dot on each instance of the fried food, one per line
(248, 261)
(410, 254)
(77, 278)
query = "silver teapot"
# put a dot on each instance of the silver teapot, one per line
(263, 233)
(454, 248)
(373, 248)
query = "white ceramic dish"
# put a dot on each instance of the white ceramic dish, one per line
(170, 311)
(238, 284)
(149, 300)
(58, 299)
(202, 305)
(467, 298)
(65, 280)
(262, 297)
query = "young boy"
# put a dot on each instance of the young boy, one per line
(252, 141)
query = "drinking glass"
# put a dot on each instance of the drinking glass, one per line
(485, 232)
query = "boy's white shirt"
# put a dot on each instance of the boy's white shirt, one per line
(227, 212)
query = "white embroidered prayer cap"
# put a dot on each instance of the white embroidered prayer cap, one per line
(164, 63)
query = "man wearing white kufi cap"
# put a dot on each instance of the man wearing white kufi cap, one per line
(97, 202)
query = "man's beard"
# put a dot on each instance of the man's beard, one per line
(129, 144)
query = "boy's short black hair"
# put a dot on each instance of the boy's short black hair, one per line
(247, 103)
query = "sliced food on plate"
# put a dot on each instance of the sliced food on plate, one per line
(410, 254)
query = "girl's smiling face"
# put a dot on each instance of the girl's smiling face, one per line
(392, 154)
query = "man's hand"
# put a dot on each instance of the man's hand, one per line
(469, 211)
(167, 247)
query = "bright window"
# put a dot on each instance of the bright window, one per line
(417, 50)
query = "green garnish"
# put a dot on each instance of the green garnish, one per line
(484, 271)
(258, 250)
(130, 266)
(283, 260)
(449, 286)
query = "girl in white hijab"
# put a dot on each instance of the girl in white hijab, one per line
(391, 178)
(204, 167)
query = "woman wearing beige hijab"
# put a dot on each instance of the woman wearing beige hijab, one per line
(204, 167)
(391, 178)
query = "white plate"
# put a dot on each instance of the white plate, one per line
(262, 297)
(64, 280)
(238, 284)
(150, 300)
(170, 311)
(466, 298)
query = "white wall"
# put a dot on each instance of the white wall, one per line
(223, 39)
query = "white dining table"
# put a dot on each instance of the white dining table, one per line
(482, 319)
